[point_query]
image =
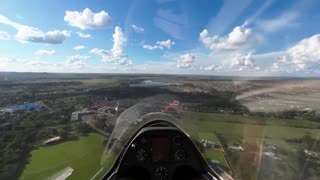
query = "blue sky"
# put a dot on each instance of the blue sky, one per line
(219, 37)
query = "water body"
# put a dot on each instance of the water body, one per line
(149, 83)
(25, 106)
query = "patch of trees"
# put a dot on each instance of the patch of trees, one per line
(83, 129)
(306, 142)
(291, 114)
(14, 148)
(39, 84)
(213, 100)
(27, 129)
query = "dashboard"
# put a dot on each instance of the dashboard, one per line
(161, 153)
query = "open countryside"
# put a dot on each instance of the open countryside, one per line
(66, 135)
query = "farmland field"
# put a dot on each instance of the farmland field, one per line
(83, 156)
(253, 134)
(239, 129)
(236, 125)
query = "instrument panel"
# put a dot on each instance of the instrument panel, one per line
(161, 153)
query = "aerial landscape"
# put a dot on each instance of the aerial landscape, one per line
(54, 123)
(160, 89)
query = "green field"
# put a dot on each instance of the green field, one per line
(100, 83)
(211, 154)
(240, 128)
(218, 156)
(83, 156)
(256, 132)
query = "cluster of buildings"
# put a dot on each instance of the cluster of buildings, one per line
(209, 145)
(22, 107)
(270, 151)
(77, 115)
(101, 108)
(312, 154)
(101, 116)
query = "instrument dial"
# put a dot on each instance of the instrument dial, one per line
(141, 155)
(178, 140)
(162, 173)
(179, 155)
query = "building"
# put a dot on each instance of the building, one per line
(52, 140)
(271, 155)
(208, 144)
(110, 110)
(235, 148)
(76, 116)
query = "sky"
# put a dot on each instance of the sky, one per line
(211, 37)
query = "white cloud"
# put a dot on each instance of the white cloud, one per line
(137, 28)
(286, 20)
(239, 38)
(32, 34)
(119, 41)
(186, 65)
(84, 35)
(29, 65)
(5, 62)
(160, 45)
(7, 59)
(87, 19)
(126, 62)
(149, 47)
(35, 35)
(242, 60)
(79, 47)
(116, 54)
(305, 53)
(275, 67)
(301, 58)
(76, 61)
(105, 55)
(36, 63)
(186, 60)
(210, 68)
(168, 43)
(4, 35)
(44, 52)
(77, 57)
(238, 63)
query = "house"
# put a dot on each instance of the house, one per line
(270, 148)
(235, 148)
(312, 153)
(51, 140)
(208, 144)
(271, 155)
